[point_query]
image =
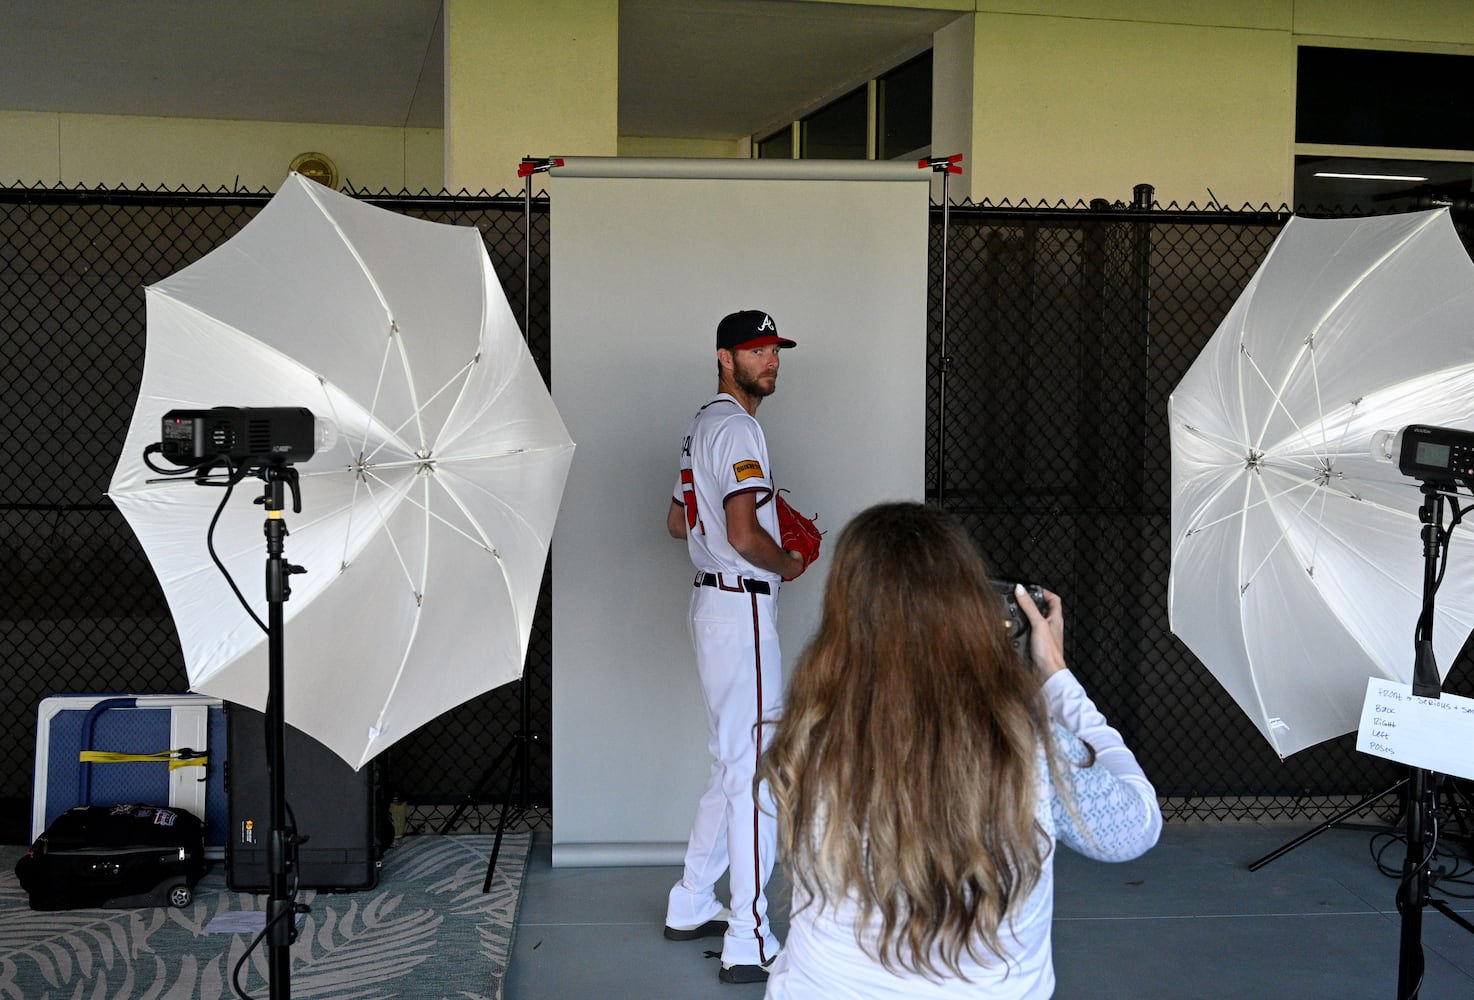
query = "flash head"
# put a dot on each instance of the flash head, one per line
(1432, 454)
(244, 436)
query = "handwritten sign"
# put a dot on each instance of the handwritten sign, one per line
(1435, 734)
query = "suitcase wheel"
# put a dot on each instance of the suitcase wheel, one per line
(180, 896)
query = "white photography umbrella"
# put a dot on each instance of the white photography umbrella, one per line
(424, 530)
(1297, 559)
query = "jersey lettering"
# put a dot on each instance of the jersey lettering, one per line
(688, 492)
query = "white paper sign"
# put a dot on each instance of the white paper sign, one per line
(1435, 734)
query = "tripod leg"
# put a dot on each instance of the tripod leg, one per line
(513, 778)
(1339, 817)
(474, 795)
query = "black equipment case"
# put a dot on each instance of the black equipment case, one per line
(340, 815)
(115, 856)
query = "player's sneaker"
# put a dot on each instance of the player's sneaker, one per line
(715, 927)
(745, 973)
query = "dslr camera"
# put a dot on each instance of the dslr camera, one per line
(1016, 623)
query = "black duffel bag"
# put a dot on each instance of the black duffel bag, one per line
(115, 857)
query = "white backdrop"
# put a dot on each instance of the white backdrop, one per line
(647, 256)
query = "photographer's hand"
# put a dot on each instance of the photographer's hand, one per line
(1046, 632)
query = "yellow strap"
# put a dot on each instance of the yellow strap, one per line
(176, 758)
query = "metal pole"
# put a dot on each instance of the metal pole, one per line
(527, 259)
(946, 166)
(280, 920)
(1412, 893)
(946, 360)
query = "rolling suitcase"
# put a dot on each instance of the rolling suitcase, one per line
(116, 857)
(342, 813)
(105, 750)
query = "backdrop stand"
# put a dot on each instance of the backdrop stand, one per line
(946, 166)
(518, 746)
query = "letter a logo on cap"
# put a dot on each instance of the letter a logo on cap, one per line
(767, 324)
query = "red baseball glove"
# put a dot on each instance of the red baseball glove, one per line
(797, 533)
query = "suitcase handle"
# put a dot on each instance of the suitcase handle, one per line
(89, 725)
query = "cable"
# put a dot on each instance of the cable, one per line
(236, 475)
(156, 448)
(235, 982)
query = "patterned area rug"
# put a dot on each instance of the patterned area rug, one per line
(426, 931)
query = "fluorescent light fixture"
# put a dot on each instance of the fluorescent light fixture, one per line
(1370, 177)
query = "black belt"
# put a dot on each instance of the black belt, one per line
(751, 586)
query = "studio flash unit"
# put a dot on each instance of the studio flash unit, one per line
(1432, 454)
(244, 436)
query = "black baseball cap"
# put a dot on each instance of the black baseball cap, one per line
(747, 329)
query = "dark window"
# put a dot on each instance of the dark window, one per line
(1375, 185)
(1363, 97)
(903, 109)
(837, 130)
(778, 146)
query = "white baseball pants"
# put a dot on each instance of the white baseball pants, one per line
(735, 636)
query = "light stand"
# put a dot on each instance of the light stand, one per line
(519, 746)
(1412, 894)
(281, 925)
(1442, 459)
(946, 166)
(264, 442)
(1419, 815)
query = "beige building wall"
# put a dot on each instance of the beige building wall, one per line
(527, 78)
(1078, 108)
(638, 145)
(1082, 99)
(1047, 99)
(125, 151)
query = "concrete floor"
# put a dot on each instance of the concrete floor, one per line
(1186, 922)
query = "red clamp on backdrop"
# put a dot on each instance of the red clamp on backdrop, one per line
(941, 164)
(531, 165)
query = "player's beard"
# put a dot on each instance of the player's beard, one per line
(752, 384)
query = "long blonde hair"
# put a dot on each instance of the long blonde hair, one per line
(904, 769)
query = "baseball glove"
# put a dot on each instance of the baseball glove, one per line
(797, 533)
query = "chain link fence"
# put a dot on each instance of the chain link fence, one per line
(1065, 331)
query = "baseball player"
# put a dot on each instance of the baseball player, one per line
(721, 507)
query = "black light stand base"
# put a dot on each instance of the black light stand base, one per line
(519, 779)
(521, 741)
(1340, 817)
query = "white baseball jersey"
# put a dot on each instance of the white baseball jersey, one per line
(724, 454)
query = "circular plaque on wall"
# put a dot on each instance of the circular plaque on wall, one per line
(317, 167)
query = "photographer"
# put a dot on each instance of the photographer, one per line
(923, 772)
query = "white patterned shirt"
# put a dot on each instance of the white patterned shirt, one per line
(1116, 818)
